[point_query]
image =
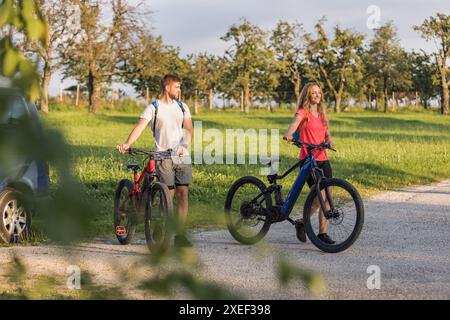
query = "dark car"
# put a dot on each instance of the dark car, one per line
(21, 178)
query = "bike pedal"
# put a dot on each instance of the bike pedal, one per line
(121, 231)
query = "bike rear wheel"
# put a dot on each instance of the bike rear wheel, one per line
(246, 217)
(124, 212)
(345, 220)
(159, 222)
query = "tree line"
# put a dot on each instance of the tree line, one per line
(98, 42)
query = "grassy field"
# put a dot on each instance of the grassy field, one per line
(376, 152)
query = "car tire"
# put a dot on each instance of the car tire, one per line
(15, 216)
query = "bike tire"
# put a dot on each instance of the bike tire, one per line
(351, 198)
(124, 187)
(161, 220)
(229, 204)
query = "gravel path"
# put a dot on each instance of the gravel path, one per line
(406, 235)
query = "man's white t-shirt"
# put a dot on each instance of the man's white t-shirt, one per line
(168, 128)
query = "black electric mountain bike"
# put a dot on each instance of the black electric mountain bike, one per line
(251, 206)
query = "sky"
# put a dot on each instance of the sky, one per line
(197, 25)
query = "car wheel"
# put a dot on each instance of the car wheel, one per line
(15, 217)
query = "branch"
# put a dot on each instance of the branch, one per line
(327, 79)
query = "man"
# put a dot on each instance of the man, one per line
(172, 129)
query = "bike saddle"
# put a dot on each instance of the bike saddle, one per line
(133, 166)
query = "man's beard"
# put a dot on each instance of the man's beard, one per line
(173, 96)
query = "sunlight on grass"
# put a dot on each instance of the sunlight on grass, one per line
(376, 152)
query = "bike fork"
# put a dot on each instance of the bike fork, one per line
(326, 213)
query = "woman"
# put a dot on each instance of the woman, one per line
(311, 124)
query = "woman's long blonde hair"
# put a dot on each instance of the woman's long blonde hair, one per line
(305, 103)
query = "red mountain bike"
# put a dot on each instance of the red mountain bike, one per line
(144, 200)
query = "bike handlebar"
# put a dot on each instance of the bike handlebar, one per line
(156, 155)
(310, 146)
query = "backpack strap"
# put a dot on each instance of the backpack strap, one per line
(155, 104)
(182, 110)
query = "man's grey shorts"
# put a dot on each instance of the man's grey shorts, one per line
(173, 174)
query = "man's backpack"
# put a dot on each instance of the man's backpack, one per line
(155, 104)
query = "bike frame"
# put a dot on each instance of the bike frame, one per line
(149, 169)
(309, 166)
(298, 185)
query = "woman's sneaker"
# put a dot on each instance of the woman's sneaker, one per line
(325, 238)
(300, 230)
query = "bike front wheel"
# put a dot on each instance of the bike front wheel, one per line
(343, 220)
(124, 212)
(159, 222)
(246, 208)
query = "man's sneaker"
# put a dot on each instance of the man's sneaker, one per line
(300, 230)
(182, 241)
(325, 238)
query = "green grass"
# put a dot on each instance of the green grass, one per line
(376, 152)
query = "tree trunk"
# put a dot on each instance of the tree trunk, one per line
(77, 98)
(444, 109)
(94, 93)
(246, 99)
(425, 102)
(279, 102)
(385, 97)
(210, 99)
(195, 102)
(445, 92)
(416, 104)
(45, 84)
(337, 107)
(61, 100)
(337, 101)
(297, 90)
(394, 103)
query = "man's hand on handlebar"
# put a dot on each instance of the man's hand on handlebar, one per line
(122, 148)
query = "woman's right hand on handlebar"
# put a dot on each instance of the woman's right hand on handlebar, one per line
(122, 148)
(288, 139)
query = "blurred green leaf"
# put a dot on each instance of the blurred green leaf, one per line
(199, 289)
(36, 29)
(313, 281)
(6, 10)
(10, 62)
(36, 26)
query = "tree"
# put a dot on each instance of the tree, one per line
(437, 28)
(206, 73)
(335, 62)
(149, 60)
(248, 58)
(288, 42)
(387, 62)
(423, 72)
(26, 17)
(99, 51)
(59, 15)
